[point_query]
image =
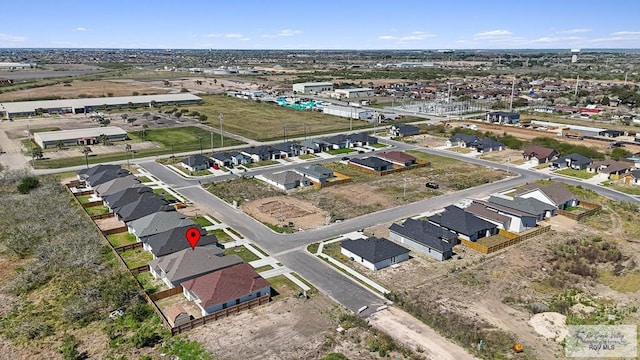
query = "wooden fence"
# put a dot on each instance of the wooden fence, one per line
(220, 314)
(124, 248)
(579, 216)
(83, 192)
(117, 230)
(166, 293)
(343, 179)
(138, 270)
(512, 239)
(92, 204)
(102, 216)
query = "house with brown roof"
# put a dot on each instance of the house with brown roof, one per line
(541, 154)
(502, 221)
(553, 194)
(225, 288)
(611, 168)
(398, 157)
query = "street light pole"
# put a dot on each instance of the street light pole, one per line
(212, 143)
(221, 136)
(200, 139)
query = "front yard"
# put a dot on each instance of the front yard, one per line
(339, 151)
(202, 221)
(221, 235)
(164, 194)
(245, 254)
(627, 189)
(581, 174)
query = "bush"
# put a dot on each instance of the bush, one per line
(335, 356)
(69, 348)
(29, 183)
(146, 336)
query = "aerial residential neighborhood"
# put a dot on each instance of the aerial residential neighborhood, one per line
(258, 187)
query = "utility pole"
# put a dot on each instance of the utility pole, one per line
(221, 136)
(212, 143)
(200, 139)
(575, 93)
(404, 192)
(513, 88)
(284, 135)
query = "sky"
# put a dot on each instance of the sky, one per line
(324, 24)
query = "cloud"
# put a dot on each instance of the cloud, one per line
(573, 31)
(282, 33)
(626, 33)
(229, 36)
(11, 38)
(416, 35)
(493, 34)
(387, 37)
(80, 28)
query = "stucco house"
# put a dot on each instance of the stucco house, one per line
(374, 253)
(225, 288)
(466, 225)
(519, 221)
(398, 157)
(372, 163)
(425, 237)
(462, 140)
(540, 154)
(553, 194)
(404, 130)
(573, 161)
(196, 162)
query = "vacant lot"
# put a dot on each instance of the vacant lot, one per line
(79, 89)
(242, 190)
(281, 210)
(262, 121)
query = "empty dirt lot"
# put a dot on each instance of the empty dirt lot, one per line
(280, 210)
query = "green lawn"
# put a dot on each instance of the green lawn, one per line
(202, 221)
(235, 233)
(144, 179)
(121, 239)
(261, 163)
(283, 286)
(149, 284)
(243, 253)
(313, 248)
(268, 120)
(221, 235)
(260, 250)
(307, 156)
(339, 151)
(83, 199)
(627, 189)
(97, 210)
(434, 159)
(51, 128)
(581, 174)
(378, 145)
(263, 268)
(136, 257)
(165, 194)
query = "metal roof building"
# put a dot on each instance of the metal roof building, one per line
(79, 106)
(312, 87)
(88, 136)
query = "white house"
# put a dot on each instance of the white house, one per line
(374, 253)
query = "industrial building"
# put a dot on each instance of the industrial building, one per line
(81, 106)
(89, 136)
(312, 87)
(349, 112)
(353, 93)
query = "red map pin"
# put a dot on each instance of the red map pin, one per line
(193, 236)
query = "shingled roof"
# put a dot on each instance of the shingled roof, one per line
(225, 285)
(527, 205)
(426, 233)
(460, 221)
(556, 192)
(175, 240)
(186, 264)
(374, 249)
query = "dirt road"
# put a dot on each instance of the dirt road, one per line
(412, 333)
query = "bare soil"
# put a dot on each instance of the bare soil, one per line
(109, 223)
(284, 209)
(78, 88)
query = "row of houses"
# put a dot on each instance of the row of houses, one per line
(278, 151)
(210, 279)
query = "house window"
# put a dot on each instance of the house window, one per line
(393, 259)
(224, 306)
(237, 301)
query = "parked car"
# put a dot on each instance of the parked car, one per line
(432, 185)
(345, 158)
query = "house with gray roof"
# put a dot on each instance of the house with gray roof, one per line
(611, 168)
(554, 194)
(106, 175)
(196, 162)
(314, 146)
(519, 221)
(425, 237)
(374, 253)
(464, 224)
(230, 158)
(85, 173)
(261, 153)
(147, 203)
(632, 177)
(488, 145)
(285, 180)
(372, 163)
(502, 221)
(286, 149)
(531, 206)
(315, 173)
(157, 222)
(174, 240)
(574, 161)
(126, 196)
(462, 140)
(404, 130)
(116, 185)
(187, 264)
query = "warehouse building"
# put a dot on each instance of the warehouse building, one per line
(89, 136)
(349, 112)
(81, 106)
(353, 93)
(312, 87)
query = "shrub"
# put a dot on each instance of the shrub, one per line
(29, 183)
(144, 337)
(69, 348)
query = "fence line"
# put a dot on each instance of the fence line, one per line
(124, 248)
(511, 240)
(593, 208)
(117, 230)
(166, 293)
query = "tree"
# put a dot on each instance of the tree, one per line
(124, 117)
(605, 101)
(131, 120)
(146, 115)
(60, 144)
(86, 150)
(29, 183)
(37, 153)
(203, 117)
(127, 149)
(215, 81)
(130, 105)
(156, 118)
(105, 122)
(153, 103)
(178, 115)
(103, 138)
(620, 153)
(143, 132)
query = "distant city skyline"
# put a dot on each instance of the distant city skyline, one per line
(351, 24)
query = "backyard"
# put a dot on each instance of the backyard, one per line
(136, 257)
(121, 239)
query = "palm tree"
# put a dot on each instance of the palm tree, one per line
(143, 132)
(86, 150)
(103, 139)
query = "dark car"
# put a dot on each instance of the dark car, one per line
(345, 158)
(432, 185)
